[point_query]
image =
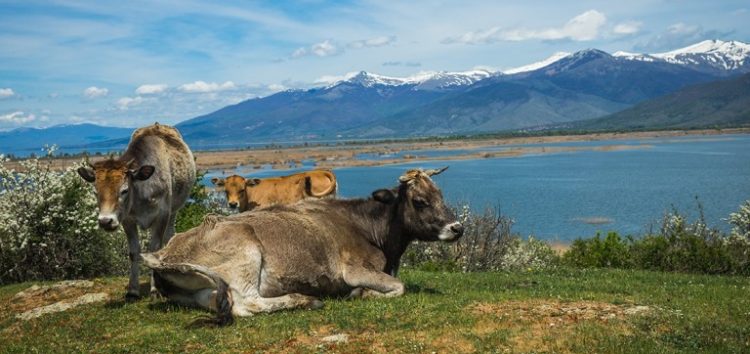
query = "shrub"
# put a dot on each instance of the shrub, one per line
(611, 252)
(48, 226)
(678, 245)
(200, 203)
(487, 245)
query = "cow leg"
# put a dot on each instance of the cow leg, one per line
(374, 283)
(134, 252)
(155, 243)
(248, 305)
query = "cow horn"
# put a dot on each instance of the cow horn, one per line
(409, 176)
(436, 171)
(130, 162)
(86, 160)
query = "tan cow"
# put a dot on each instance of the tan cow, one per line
(286, 256)
(249, 193)
(143, 188)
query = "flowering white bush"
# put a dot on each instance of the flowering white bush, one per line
(48, 226)
(741, 221)
(487, 245)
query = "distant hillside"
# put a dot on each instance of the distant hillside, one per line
(715, 104)
(23, 141)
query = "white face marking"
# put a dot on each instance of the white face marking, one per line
(447, 234)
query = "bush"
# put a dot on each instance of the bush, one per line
(612, 252)
(198, 205)
(487, 245)
(48, 227)
(678, 246)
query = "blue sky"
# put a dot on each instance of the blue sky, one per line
(131, 63)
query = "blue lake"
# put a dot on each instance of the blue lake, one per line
(553, 196)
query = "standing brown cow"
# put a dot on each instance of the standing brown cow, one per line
(144, 188)
(249, 193)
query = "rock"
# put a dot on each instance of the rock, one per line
(336, 338)
(36, 290)
(63, 305)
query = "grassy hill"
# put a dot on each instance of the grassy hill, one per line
(722, 103)
(565, 310)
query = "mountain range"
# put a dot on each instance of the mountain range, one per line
(723, 103)
(564, 88)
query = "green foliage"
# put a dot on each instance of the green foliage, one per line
(611, 252)
(199, 204)
(678, 246)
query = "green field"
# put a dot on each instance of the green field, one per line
(565, 310)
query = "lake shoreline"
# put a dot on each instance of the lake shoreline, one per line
(346, 155)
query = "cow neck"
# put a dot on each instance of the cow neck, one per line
(386, 231)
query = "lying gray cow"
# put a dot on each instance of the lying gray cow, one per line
(284, 257)
(144, 187)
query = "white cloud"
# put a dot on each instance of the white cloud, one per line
(94, 92)
(628, 27)
(323, 49)
(584, 27)
(372, 42)
(151, 89)
(17, 117)
(299, 52)
(276, 87)
(126, 102)
(6, 93)
(205, 87)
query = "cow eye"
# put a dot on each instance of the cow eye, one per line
(420, 203)
(123, 192)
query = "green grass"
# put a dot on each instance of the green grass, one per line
(690, 313)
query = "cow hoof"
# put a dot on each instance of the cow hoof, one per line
(315, 304)
(156, 295)
(130, 297)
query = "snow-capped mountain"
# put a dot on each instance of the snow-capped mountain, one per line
(538, 65)
(711, 56)
(425, 80)
(716, 56)
(446, 79)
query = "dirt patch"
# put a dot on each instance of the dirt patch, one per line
(546, 325)
(555, 312)
(63, 305)
(37, 300)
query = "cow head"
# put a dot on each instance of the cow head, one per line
(235, 188)
(112, 181)
(420, 205)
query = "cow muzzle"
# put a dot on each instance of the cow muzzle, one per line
(108, 222)
(233, 205)
(451, 232)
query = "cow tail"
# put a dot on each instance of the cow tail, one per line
(224, 304)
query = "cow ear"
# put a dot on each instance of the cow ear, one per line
(217, 181)
(385, 196)
(87, 174)
(144, 172)
(252, 182)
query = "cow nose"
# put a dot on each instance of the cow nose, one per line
(105, 221)
(457, 229)
(233, 205)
